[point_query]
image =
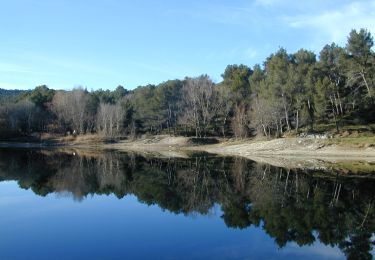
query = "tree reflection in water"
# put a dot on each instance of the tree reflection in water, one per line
(290, 205)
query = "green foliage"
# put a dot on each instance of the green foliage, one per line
(119, 93)
(359, 46)
(9, 96)
(236, 78)
(361, 62)
(41, 95)
(256, 78)
(148, 108)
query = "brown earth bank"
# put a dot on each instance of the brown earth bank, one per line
(310, 152)
(303, 153)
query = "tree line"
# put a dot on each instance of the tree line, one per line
(289, 92)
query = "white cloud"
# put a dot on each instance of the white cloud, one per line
(335, 25)
(251, 53)
(318, 250)
(244, 15)
(235, 53)
(267, 3)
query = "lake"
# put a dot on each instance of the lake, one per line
(75, 204)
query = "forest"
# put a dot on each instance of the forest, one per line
(288, 93)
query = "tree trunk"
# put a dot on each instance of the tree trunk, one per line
(340, 103)
(336, 104)
(264, 130)
(169, 119)
(286, 114)
(281, 125)
(311, 113)
(334, 114)
(297, 120)
(277, 129)
(366, 84)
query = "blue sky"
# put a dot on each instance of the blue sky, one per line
(101, 44)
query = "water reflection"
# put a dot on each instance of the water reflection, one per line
(289, 205)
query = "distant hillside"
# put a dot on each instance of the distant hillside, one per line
(11, 95)
(12, 92)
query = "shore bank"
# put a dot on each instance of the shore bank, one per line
(283, 152)
(295, 147)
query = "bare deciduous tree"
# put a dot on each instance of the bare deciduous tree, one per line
(20, 116)
(224, 105)
(198, 104)
(110, 119)
(70, 109)
(267, 116)
(240, 121)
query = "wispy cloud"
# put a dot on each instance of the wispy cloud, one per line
(335, 24)
(235, 53)
(318, 249)
(42, 64)
(57, 62)
(164, 70)
(240, 14)
(267, 3)
(328, 20)
(15, 68)
(153, 68)
(251, 53)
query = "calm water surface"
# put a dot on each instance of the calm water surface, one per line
(65, 204)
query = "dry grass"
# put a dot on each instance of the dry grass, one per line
(353, 142)
(87, 139)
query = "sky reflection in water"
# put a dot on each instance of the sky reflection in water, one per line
(137, 223)
(105, 226)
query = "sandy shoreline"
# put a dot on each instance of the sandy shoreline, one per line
(282, 147)
(283, 152)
